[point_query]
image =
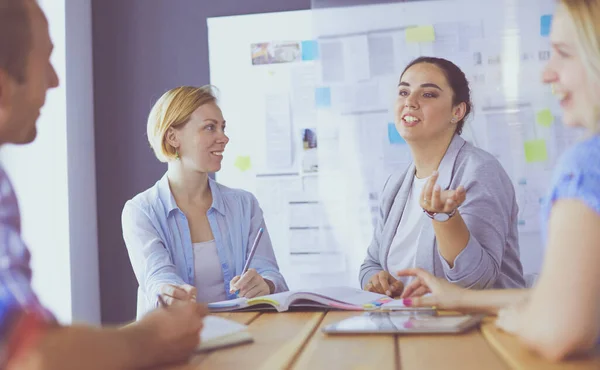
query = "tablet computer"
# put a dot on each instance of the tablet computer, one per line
(402, 323)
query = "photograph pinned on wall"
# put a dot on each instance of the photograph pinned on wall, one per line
(276, 52)
(310, 160)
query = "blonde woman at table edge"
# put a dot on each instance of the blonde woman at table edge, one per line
(560, 316)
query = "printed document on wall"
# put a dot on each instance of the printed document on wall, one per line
(278, 131)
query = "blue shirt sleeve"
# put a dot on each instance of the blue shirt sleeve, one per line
(578, 175)
(150, 259)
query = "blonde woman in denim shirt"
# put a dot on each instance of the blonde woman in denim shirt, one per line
(560, 316)
(188, 236)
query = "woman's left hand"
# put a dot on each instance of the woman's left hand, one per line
(434, 200)
(250, 285)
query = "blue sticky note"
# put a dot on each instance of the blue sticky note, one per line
(310, 50)
(393, 135)
(545, 24)
(323, 97)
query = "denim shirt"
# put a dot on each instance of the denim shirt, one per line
(576, 176)
(158, 240)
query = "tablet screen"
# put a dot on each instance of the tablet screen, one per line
(395, 322)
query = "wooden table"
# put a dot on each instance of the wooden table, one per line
(518, 357)
(293, 340)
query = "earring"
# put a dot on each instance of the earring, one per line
(453, 120)
(177, 154)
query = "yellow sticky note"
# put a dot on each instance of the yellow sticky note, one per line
(243, 163)
(535, 151)
(544, 118)
(420, 34)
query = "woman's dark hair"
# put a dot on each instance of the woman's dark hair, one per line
(457, 81)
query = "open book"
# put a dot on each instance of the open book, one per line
(343, 298)
(219, 332)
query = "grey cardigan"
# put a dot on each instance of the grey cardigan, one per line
(491, 257)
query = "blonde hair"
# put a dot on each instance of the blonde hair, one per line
(174, 108)
(585, 15)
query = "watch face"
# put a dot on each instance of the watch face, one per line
(441, 217)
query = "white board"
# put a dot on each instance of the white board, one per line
(319, 203)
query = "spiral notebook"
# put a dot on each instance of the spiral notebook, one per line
(219, 332)
(341, 298)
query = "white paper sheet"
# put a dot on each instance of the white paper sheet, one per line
(215, 327)
(356, 55)
(305, 214)
(303, 81)
(278, 131)
(358, 98)
(305, 240)
(332, 61)
(382, 61)
(529, 196)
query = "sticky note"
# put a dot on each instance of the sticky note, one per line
(535, 151)
(310, 50)
(393, 135)
(544, 118)
(420, 34)
(243, 163)
(545, 24)
(323, 97)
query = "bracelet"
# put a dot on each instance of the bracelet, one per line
(440, 216)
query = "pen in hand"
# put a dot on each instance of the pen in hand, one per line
(251, 255)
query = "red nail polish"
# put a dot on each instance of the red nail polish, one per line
(407, 302)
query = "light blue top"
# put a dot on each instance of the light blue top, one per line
(576, 176)
(158, 239)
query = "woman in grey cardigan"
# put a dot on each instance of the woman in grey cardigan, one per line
(453, 212)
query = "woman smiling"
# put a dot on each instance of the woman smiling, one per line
(188, 236)
(453, 212)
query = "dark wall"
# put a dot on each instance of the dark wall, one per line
(141, 49)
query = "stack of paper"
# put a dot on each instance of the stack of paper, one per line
(219, 332)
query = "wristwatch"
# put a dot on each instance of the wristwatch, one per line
(440, 216)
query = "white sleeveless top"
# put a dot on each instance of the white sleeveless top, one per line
(209, 275)
(403, 250)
